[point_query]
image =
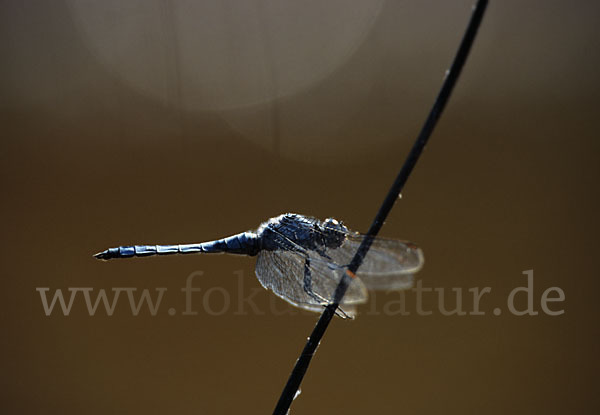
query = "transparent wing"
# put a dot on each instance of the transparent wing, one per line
(282, 271)
(388, 265)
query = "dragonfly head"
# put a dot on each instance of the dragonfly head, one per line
(335, 232)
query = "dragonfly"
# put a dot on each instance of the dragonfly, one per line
(302, 260)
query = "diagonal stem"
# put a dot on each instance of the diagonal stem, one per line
(301, 366)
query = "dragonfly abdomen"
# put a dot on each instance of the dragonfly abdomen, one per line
(245, 243)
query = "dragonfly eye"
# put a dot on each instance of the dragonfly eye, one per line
(335, 232)
(335, 225)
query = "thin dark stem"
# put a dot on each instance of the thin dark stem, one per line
(293, 383)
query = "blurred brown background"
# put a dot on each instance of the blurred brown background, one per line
(167, 122)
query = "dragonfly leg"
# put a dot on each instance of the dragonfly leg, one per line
(322, 300)
(322, 252)
(341, 313)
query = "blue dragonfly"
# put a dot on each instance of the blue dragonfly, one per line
(303, 259)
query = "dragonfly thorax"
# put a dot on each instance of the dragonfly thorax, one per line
(297, 232)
